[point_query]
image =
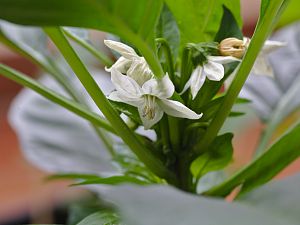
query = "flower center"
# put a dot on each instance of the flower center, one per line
(149, 107)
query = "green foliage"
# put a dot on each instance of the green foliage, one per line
(104, 218)
(128, 110)
(156, 205)
(290, 14)
(216, 158)
(264, 168)
(183, 150)
(229, 27)
(118, 17)
(199, 20)
(279, 197)
(131, 20)
(167, 28)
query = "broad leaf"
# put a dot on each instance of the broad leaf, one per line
(216, 158)
(278, 197)
(199, 20)
(55, 139)
(264, 168)
(114, 16)
(158, 205)
(290, 14)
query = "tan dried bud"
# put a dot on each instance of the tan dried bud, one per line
(232, 47)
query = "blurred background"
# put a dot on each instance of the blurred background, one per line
(25, 196)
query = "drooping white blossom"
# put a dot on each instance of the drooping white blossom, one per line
(261, 65)
(213, 70)
(151, 98)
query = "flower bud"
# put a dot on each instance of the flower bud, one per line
(232, 47)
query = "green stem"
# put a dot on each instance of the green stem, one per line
(262, 31)
(163, 125)
(143, 153)
(173, 123)
(43, 62)
(99, 55)
(186, 66)
(168, 54)
(54, 97)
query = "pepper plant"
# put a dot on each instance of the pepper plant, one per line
(173, 58)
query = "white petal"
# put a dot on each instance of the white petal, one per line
(230, 78)
(246, 41)
(197, 80)
(125, 85)
(214, 71)
(161, 88)
(122, 65)
(223, 59)
(117, 97)
(148, 123)
(114, 96)
(270, 46)
(186, 86)
(121, 48)
(262, 67)
(140, 71)
(177, 109)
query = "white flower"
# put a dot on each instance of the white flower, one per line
(212, 69)
(261, 65)
(151, 98)
(129, 63)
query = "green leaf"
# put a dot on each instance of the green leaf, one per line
(157, 205)
(132, 20)
(278, 197)
(199, 20)
(290, 14)
(236, 114)
(128, 110)
(101, 218)
(113, 180)
(85, 206)
(229, 27)
(167, 28)
(264, 168)
(216, 158)
(72, 176)
(114, 16)
(88, 179)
